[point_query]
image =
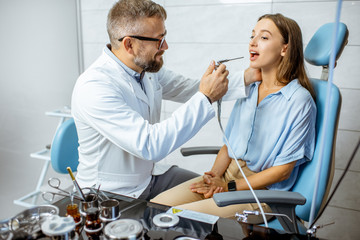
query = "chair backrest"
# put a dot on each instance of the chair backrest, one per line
(319, 47)
(318, 52)
(307, 177)
(64, 148)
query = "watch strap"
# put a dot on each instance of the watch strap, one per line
(232, 186)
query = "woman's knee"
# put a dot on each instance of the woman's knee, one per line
(178, 195)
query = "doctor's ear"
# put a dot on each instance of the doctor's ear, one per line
(127, 44)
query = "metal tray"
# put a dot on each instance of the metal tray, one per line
(27, 222)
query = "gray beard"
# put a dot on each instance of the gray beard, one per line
(150, 66)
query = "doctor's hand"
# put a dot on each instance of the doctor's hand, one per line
(252, 75)
(214, 84)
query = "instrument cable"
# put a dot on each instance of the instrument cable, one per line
(237, 163)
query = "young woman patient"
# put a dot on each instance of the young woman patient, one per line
(272, 131)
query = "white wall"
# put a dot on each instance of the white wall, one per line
(38, 68)
(201, 30)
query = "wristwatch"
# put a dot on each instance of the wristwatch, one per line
(232, 186)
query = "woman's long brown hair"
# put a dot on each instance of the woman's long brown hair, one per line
(292, 64)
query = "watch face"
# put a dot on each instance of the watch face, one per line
(231, 186)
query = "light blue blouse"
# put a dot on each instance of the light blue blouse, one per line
(280, 130)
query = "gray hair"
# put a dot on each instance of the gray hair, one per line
(124, 18)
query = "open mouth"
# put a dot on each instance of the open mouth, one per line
(253, 55)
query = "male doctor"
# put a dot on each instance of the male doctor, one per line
(116, 106)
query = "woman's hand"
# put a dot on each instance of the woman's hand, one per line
(210, 185)
(207, 177)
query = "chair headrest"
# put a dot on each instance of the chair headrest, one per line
(318, 50)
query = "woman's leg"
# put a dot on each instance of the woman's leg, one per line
(182, 197)
(179, 194)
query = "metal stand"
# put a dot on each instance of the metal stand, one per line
(43, 154)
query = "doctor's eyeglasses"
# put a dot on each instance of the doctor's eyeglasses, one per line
(159, 40)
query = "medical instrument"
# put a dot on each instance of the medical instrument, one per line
(55, 183)
(227, 60)
(49, 196)
(27, 223)
(98, 189)
(244, 216)
(220, 100)
(237, 163)
(91, 201)
(75, 183)
(232, 152)
(99, 194)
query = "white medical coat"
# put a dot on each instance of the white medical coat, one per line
(120, 134)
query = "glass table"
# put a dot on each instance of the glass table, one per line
(144, 212)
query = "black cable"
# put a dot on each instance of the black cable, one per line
(338, 183)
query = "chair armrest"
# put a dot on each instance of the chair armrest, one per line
(265, 196)
(279, 201)
(199, 150)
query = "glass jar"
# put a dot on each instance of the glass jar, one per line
(93, 225)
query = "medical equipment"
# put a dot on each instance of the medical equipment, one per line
(75, 183)
(227, 60)
(50, 196)
(220, 100)
(109, 210)
(26, 224)
(55, 183)
(232, 152)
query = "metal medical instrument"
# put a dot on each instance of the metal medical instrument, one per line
(227, 60)
(244, 216)
(232, 152)
(99, 193)
(55, 183)
(27, 223)
(76, 184)
(49, 196)
(220, 100)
